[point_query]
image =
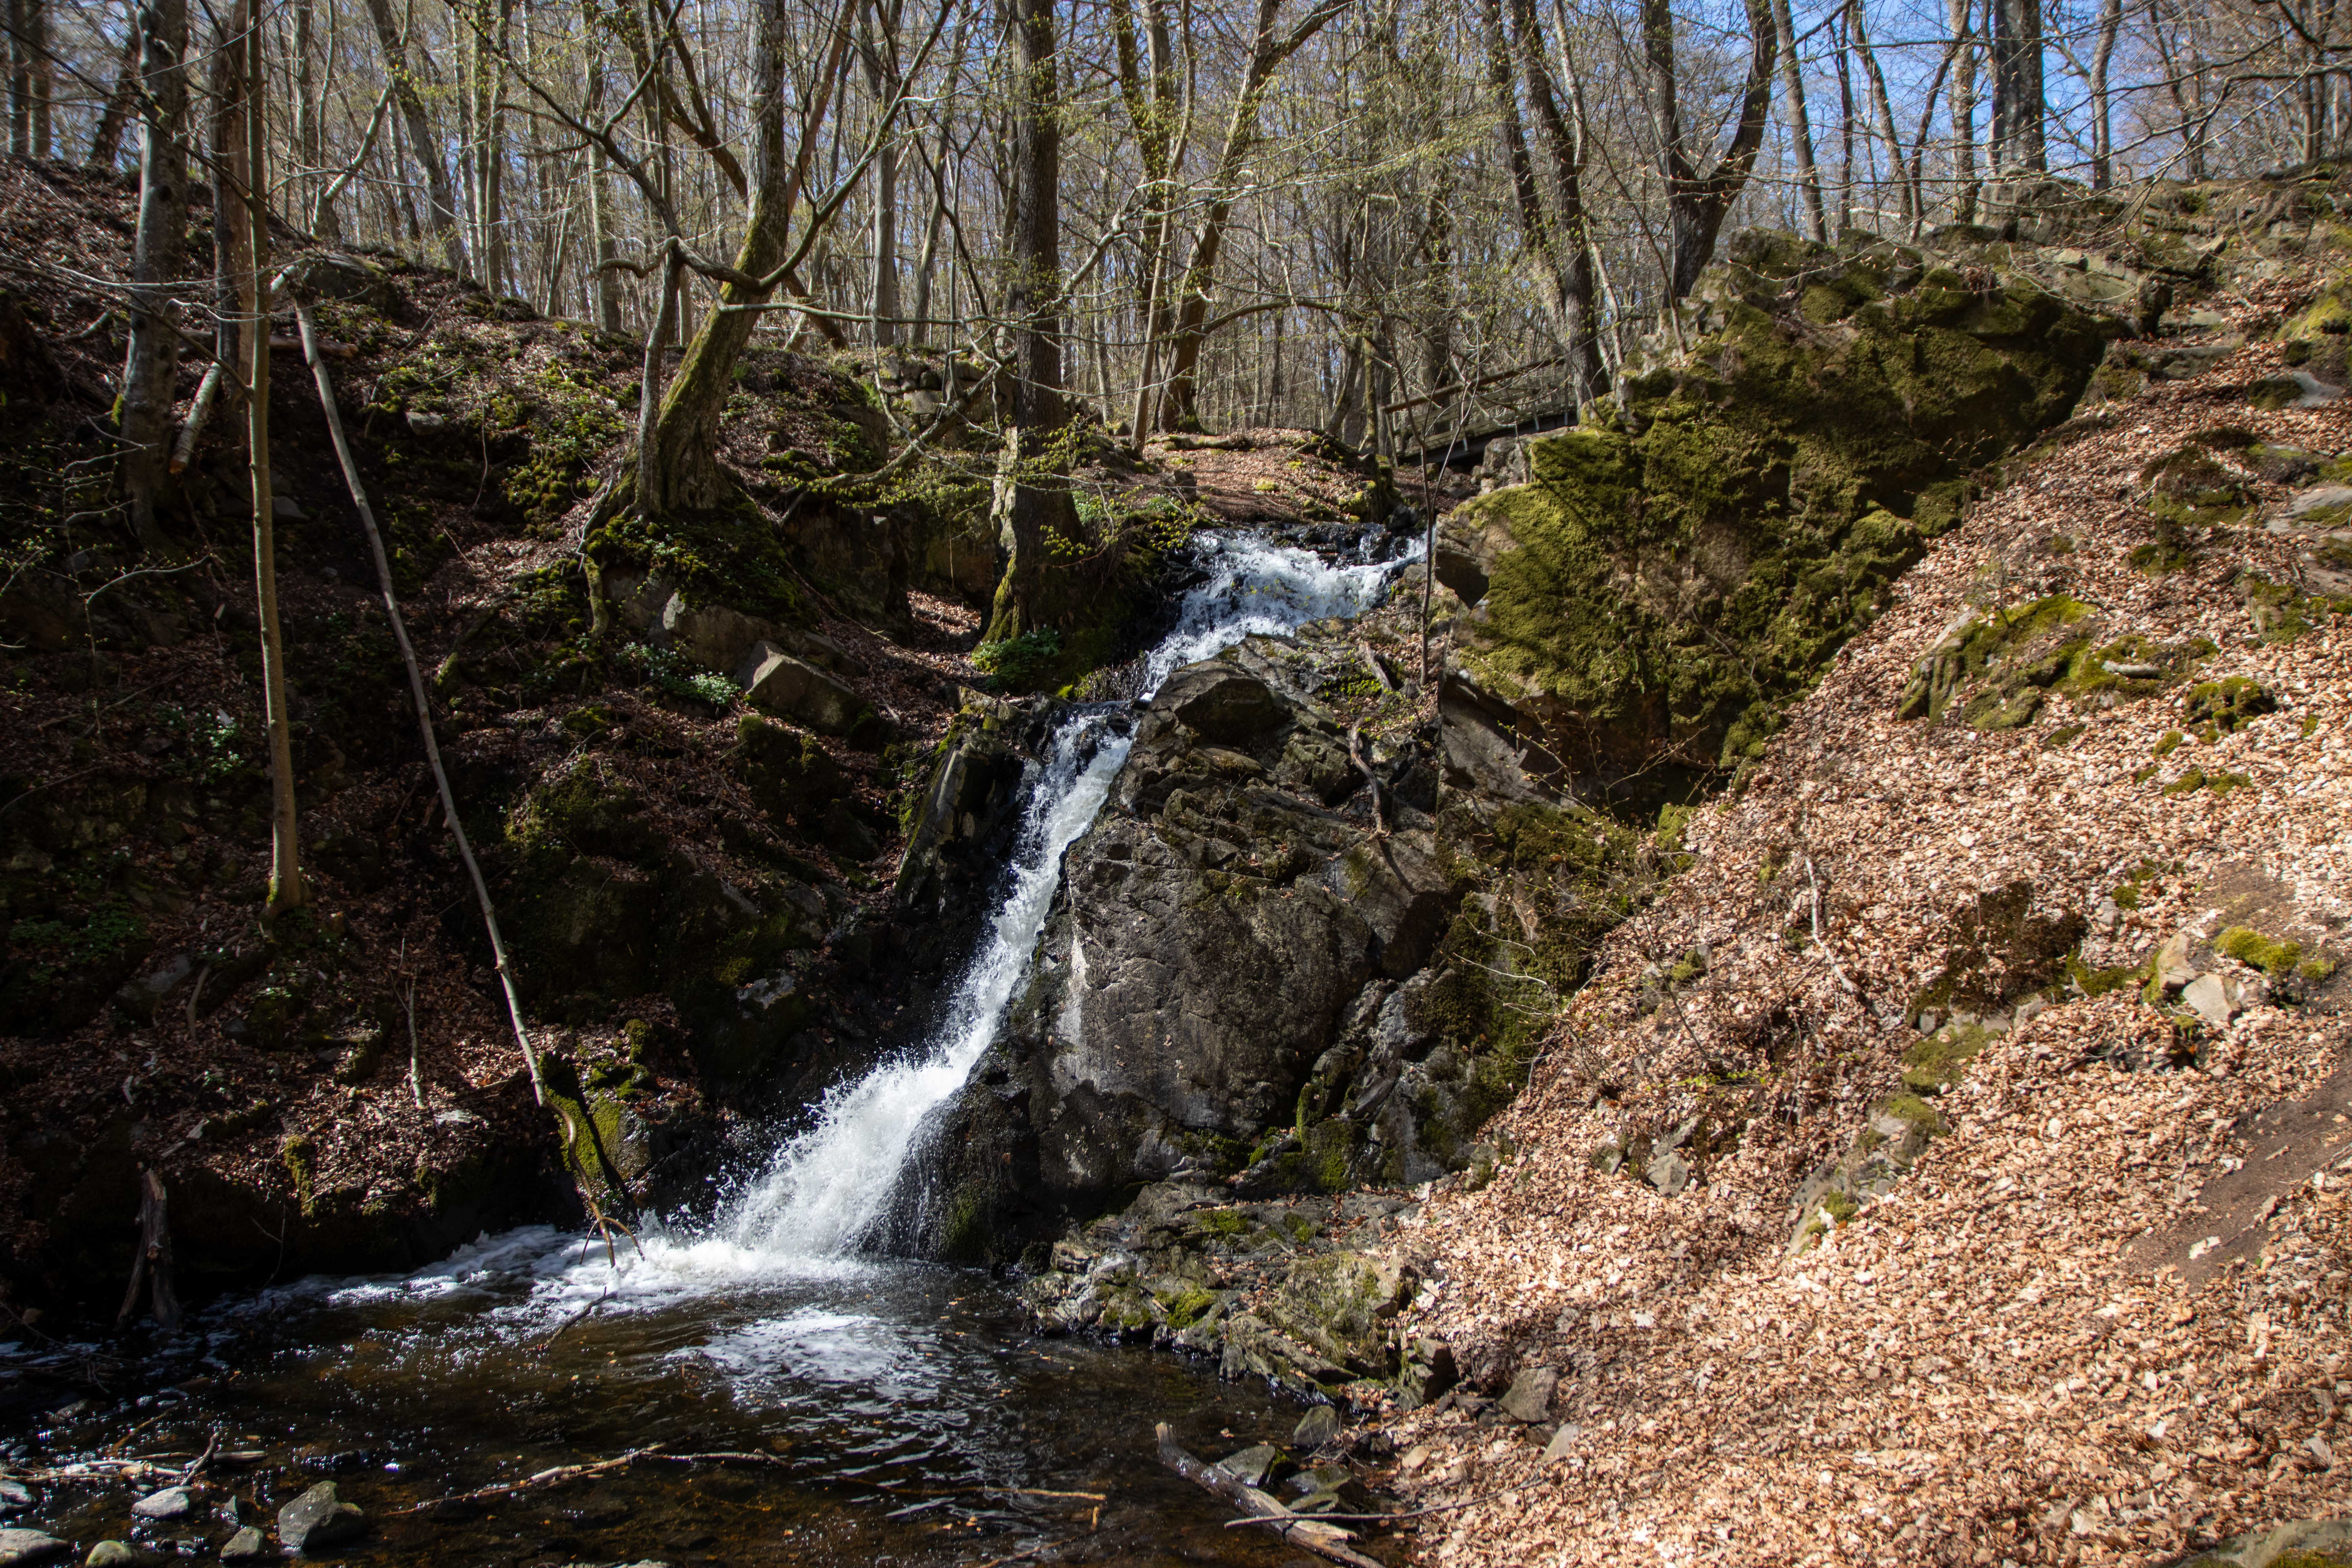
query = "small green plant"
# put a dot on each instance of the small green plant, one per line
(1019, 662)
(665, 671)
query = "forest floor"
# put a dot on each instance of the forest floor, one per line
(2101, 1319)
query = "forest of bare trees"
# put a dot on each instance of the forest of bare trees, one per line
(1372, 216)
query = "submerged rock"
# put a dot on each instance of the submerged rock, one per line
(30, 1546)
(171, 1502)
(319, 1519)
(246, 1546)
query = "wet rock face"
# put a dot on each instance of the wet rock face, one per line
(1219, 926)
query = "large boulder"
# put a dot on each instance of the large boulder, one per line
(1690, 557)
(1218, 925)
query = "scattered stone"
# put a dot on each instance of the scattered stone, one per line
(318, 1518)
(423, 424)
(171, 1502)
(1529, 1399)
(14, 1496)
(1669, 1173)
(286, 509)
(29, 1546)
(110, 1555)
(1315, 1428)
(1261, 1466)
(246, 1546)
(2208, 999)
(2172, 965)
(775, 680)
(1562, 1441)
(2311, 1541)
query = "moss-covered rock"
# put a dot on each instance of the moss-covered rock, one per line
(1687, 560)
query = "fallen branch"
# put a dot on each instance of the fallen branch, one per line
(311, 352)
(546, 1478)
(1323, 1539)
(1356, 755)
(1409, 1513)
(1026, 1553)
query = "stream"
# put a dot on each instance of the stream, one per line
(875, 1410)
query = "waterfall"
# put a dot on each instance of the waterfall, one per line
(825, 1190)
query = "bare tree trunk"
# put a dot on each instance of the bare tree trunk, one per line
(2018, 104)
(681, 469)
(422, 144)
(157, 259)
(1801, 128)
(1031, 500)
(2102, 132)
(151, 1262)
(880, 58)
(1695, 202)
(106, 141)
(1964, 112)
(1884, 106)
(1267, 53)
(603, 282)
(286, 890)
(29, 78)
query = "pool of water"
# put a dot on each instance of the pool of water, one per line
(881, 1413)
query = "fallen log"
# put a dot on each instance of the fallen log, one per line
(1323, 1539)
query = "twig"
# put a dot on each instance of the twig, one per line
(1814, 882)
(1392, 1517)
(417, 688)
(212, 1447)
(588, 1310)
(1299, 1530)
(546, 1478)
(1356, 755)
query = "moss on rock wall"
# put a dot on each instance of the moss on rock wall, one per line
(1690, 557)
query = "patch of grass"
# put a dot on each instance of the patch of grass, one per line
(1020, 663)
(664, 671)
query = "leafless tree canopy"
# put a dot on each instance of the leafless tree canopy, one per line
(1377, 216)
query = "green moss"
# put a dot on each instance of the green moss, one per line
(2229, 705)
(1224, 1223)
(1939, 1062)
(2272, 955)
(1186, 1307)
(300, 1155)
(2166, 742)
(2100, 982)
(1675, 586)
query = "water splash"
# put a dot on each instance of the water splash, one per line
(828, 1189)
(825, 1190)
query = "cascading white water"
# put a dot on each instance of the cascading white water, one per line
(826, 1189)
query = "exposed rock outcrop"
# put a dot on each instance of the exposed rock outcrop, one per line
(1690, 556)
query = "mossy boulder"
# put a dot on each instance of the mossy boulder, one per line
(1688, 560)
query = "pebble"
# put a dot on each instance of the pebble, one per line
(171, 1502)
(13, 1496)
(245, 1546)
(29, 1546)
(318, 1518)
(1529, 1398)
(1315, 1428)
(110, 1555)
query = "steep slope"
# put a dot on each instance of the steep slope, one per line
(1950, 1165)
